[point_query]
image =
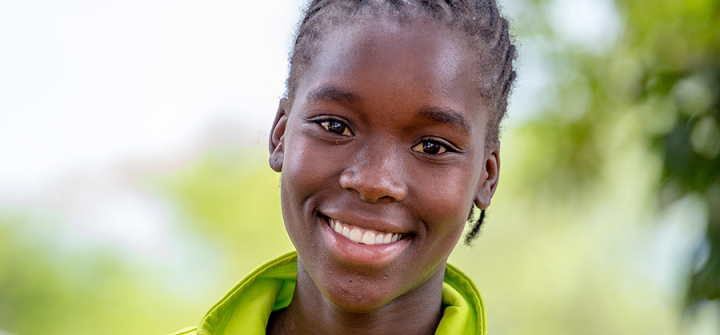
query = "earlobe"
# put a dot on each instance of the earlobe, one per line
(489, 178)
(277, 137)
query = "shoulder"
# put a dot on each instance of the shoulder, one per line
(269, 286)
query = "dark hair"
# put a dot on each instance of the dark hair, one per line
(475, 230)
(479, 20)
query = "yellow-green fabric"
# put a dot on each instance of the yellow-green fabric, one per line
(247, 307)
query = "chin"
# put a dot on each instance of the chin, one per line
(356, 300)
(356, 293)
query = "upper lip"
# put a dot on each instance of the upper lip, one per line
(378, 224)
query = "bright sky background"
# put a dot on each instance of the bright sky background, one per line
(86, 84)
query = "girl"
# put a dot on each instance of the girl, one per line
(387, 137)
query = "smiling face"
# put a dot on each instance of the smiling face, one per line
(382, 156)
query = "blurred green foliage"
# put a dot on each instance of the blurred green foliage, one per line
(663, 73)
(228, 201)
(47, 290)
(232, 196)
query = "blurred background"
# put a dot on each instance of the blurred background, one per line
(135, 191)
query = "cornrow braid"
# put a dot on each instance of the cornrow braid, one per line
(475, 230)
(480, 21)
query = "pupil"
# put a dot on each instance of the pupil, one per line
(431, 148)
(336, 127)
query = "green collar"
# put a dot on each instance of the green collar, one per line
(247, 307)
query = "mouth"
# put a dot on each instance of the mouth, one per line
(363, 236)
(363, 246)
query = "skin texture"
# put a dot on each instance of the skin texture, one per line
(387, 132)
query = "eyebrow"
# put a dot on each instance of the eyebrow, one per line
(333, 93)
(445, 115)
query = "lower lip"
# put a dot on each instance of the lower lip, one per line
(365, 254)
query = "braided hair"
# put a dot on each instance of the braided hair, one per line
(479, 21)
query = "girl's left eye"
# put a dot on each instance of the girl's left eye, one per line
(336, 127)
(430, 147)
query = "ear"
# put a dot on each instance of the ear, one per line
(489, 177)
(277, 137)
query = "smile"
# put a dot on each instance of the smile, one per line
(363, 236)
(351, 244)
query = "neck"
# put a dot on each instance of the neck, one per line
(310, 312)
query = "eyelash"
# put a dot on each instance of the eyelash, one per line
(442, 148)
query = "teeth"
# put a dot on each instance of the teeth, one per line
(356, 235)
(369, 238)
(359, 235)
(338, 227)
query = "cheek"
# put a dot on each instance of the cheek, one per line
(449, 199)
(308, 175)
(304, 166)
(300, 181)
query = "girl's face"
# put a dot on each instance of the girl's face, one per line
(385, 139)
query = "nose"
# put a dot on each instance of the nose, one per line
(376, 176)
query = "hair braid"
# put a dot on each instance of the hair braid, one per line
(479, 20)
(475, 230)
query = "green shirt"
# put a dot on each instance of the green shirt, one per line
(247, 307)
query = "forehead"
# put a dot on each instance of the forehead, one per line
(418, 61)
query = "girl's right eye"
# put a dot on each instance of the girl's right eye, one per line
(336, 127)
